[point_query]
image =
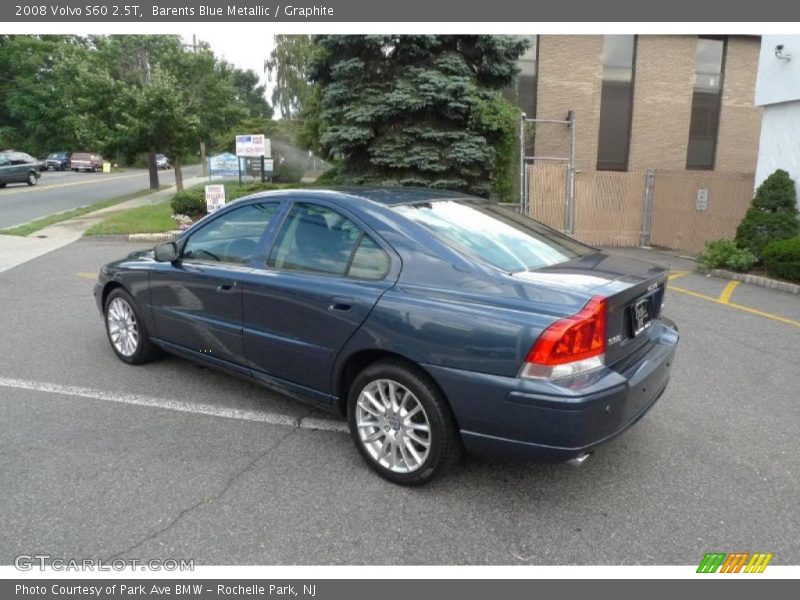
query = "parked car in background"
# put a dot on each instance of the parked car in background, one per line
(162, 162)
(18, 167)
(58, 161)
(432, 320)
(86, 161)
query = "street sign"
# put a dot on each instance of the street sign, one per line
(215, 197)
(252, 145)
(223, 166)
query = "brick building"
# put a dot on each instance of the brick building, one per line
(666, 136)
(646, 101)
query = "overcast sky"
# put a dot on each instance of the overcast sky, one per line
(248, 53)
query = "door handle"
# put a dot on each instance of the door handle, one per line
(341, 304)
(226, 287)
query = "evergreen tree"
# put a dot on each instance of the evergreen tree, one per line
(419, 109)
(772, 215)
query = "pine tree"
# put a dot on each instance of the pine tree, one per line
(772, 215)
(419, 109)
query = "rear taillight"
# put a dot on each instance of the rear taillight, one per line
(571, 345)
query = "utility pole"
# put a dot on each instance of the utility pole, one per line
(203, 161)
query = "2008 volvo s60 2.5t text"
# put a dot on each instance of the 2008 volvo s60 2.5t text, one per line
(434, 321)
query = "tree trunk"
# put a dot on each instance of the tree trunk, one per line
(203, 161)
(153, 167)
(178, 174)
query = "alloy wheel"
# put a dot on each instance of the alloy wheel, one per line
(393, 426)
(122, 327)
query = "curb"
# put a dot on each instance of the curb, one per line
(766, 282)
(167, 236)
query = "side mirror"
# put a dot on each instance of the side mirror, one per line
(166, 252)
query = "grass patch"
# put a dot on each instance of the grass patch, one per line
(36, 225)
(155, 218)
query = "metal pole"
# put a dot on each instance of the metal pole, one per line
(522, 178)
(570, 216)
(647, 207)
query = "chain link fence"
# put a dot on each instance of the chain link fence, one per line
(680, 210)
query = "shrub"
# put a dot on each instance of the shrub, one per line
(727, 255)
(772, 215)
(758, 229)
(782, 259)
(191, 202)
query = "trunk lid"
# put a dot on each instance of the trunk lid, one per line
(634, 290)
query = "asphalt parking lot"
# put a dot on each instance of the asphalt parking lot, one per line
(100, 459)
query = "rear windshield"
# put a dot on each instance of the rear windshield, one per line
(494, 234)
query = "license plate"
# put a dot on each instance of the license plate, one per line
(640, 316)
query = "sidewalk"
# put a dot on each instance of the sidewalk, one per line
(15, 250)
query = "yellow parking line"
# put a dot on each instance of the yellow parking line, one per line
(677, 274)
(36, 188)
(753, 311)
(87, 275)
(725, 296)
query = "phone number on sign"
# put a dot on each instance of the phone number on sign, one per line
(87, 10)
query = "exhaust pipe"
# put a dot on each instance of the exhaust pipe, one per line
(579, 460)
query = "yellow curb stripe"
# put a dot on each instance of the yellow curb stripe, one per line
(725, 296)
(753, 311)
(677, 274)
(36, 188)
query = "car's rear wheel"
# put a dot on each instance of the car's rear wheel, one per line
(32, 179)
(126, 330)
(402, 424)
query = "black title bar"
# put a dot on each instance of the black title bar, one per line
(441, 11)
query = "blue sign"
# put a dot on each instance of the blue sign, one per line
(223, 166)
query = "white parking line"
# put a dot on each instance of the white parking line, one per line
(210, 410)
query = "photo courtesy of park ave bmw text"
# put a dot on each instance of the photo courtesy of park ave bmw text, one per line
(342, 299)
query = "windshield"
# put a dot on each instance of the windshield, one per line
(494, 234)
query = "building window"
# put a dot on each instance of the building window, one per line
(616, 103)
(523, 93)
(706, 102)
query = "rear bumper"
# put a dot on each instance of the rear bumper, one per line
(557, 421)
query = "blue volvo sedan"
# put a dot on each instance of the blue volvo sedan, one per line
(435, 322)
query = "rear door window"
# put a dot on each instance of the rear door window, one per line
(317, 239)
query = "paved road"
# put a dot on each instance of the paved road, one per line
(135, 464)
(58, 191)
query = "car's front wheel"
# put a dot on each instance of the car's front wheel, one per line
(32, 179)
(402, 424)
(126, 330)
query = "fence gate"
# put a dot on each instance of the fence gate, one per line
(549, 145)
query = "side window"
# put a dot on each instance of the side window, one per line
(231, 238)
(319, 240)
(4, 161)
(369, 261)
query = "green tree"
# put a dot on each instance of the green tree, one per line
(249, 93)
(772, 215)
(418, 109)
(289, 62)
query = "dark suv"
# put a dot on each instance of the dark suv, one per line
(58, 161)
(18, 167)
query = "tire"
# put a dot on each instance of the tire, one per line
(2, 185)
(396, 420)
(133, 349)
(32, 179)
